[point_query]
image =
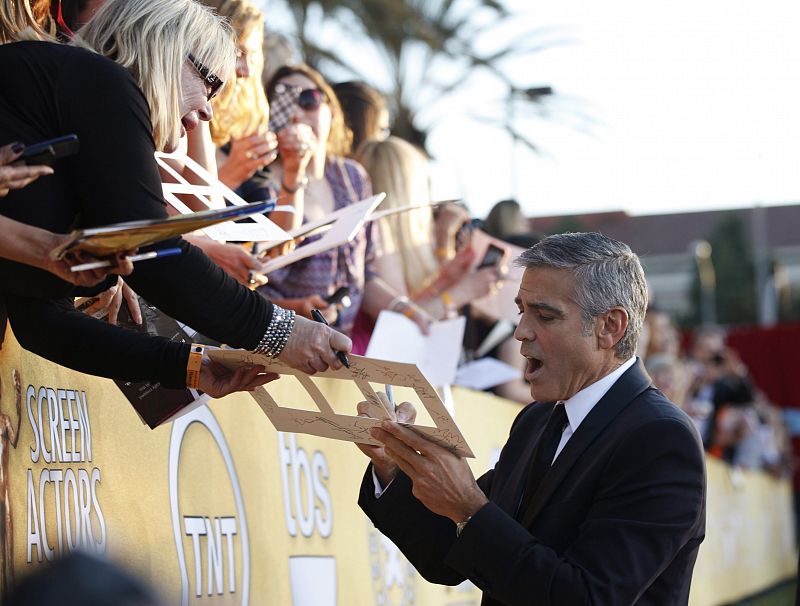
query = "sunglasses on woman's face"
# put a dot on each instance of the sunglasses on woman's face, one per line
(212, 80)
(307, 99)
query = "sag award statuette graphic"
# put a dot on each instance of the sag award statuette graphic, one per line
(9, 434)
(393, 577)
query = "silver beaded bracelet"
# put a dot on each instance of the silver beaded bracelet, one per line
(277, 333)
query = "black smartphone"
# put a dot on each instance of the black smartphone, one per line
(494, 254)
(340, 296)
(47, 152)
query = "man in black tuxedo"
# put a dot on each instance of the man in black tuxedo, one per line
(599, 493)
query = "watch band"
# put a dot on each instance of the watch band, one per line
(460, 526)
(298, 186)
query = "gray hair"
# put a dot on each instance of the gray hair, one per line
(607, 274)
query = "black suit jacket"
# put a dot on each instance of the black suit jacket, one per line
(617, 520)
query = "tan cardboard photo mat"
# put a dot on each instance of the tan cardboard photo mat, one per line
(329, 424)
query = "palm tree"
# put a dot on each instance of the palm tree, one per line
(429, 49)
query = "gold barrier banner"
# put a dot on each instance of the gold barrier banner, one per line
(750, 537)
(219, 508)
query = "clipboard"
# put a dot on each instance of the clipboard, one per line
(110, 239)
(339, 228)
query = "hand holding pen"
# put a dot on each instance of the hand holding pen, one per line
(312, 346)
(317, 316)
(384, 466)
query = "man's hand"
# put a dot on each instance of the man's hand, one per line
(217, 381)
(312, 347)
(385, 467)
(443, 482)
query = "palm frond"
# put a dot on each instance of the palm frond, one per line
(445, 33)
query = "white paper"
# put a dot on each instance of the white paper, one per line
(398, 339)
(344, 225)
(212, 193)
(380, 214)
(486, 373)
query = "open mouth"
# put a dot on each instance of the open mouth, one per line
(534, 365)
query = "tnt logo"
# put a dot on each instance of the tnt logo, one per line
(217, 551)
(208, 516)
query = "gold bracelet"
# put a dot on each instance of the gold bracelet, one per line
(447, 300)
(448, 305)
(193, 366)
(442, 253)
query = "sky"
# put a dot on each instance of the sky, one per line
(691, 105)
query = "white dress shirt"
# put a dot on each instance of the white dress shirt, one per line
(581, 404)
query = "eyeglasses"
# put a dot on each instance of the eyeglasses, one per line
(212, 80)
(308, 99)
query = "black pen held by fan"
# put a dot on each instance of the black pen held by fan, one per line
(318, 317)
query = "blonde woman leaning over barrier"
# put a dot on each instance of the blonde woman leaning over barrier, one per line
(399, 169)
(19, 20)
(164, 62)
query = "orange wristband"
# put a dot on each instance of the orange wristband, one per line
(193, 366)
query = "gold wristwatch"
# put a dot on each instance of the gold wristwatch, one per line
(460, 526)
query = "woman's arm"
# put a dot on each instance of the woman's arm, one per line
(17, 177)
(472, 286)
(295, 145)
(54, 329)
(45, 326)
(31, 245)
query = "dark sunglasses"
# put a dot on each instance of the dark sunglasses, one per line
(307, 99)
(212, 80)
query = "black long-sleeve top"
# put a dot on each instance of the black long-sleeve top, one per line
(52, 90)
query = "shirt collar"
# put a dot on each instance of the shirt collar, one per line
(581, 404)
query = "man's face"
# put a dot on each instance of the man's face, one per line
(563, 356)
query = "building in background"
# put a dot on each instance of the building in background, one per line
(755, 253)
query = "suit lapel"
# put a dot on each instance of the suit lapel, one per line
(508, 494)
(633, 382)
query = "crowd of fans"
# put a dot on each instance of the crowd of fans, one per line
(167, 92)
(712, 385)
(273, 131)
(132, 77)
(267, 130)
